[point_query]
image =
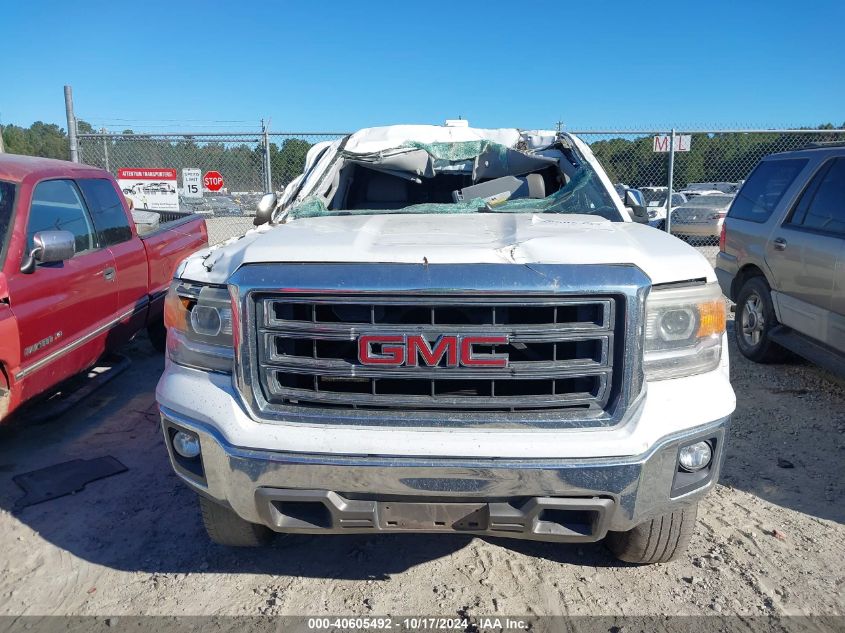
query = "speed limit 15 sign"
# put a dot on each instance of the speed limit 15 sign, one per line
(192, 183)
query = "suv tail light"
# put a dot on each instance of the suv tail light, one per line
(722, 239)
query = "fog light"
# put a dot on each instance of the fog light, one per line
(695, 456)
(186, 444)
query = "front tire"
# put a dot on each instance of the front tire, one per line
(660, 540)
(224, 527)
(755, 319)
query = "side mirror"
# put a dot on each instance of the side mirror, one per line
(49, 246)
(265, 208)
(636, 206)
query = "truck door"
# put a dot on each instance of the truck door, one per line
(806, 248)
(63, 309)
(111, 222)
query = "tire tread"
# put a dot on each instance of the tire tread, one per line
(224, 527)
(660, 540)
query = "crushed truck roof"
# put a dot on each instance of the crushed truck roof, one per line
(439, 169)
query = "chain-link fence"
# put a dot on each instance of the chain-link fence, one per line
(708, 167)
(242, 159)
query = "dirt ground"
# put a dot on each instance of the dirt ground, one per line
(770, 539)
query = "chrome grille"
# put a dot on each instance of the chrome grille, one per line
(575, 343)
(561, 352)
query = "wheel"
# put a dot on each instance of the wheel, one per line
(755, 318)
(158, 335)
(659, 540)
(224, 527)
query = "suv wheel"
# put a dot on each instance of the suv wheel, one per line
(755, 319)
(663, 539)
(224, 527)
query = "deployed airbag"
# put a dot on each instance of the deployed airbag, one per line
(497, 161)
(411, 161)
(530, 186)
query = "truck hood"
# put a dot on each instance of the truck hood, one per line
(452, 239)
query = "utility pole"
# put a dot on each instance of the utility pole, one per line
(2, 147)
(71, 125)
(105, 147)
(559, 126)
(671, 178)
(268, 176)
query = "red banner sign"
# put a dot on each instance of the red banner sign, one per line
(129, 173)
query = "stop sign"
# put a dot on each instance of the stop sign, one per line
(213, 181)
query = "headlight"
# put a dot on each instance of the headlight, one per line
(683, 333)
(199, 326)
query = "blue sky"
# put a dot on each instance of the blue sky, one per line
(339, 66)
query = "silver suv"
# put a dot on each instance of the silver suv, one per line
(782, 257)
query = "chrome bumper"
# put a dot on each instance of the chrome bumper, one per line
(512, 498)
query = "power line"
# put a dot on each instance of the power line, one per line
(111, 118)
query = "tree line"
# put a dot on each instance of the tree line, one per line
(628, 159)
(714, 157)
(241, 161)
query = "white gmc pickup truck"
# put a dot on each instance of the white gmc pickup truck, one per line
(448, 329)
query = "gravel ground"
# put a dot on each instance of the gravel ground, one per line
(770, 539)
(223, 227)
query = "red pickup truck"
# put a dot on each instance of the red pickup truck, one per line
(76, 280)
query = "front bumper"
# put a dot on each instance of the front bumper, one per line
(576, 499)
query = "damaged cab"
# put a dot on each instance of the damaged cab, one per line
(448, 329)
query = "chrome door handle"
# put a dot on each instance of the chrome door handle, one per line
(779, 244)
(108, 273)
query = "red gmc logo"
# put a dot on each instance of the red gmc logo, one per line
(397, 350)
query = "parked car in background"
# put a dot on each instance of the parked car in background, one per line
(634, 202)
(655, 198)
(721, 187)
(782, 257)
(76, 280)
(701, 217)
(694, 193)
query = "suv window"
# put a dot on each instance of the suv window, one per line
(764, 188)
(58, 206)
(107, 211)
(822, 205)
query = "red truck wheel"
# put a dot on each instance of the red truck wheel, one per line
(158, 335)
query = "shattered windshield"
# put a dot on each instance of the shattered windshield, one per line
(457, 178)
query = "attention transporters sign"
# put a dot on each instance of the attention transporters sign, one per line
(154, 189)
